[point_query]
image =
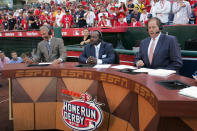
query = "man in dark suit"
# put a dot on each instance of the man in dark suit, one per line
(97, 51)
(51, 49)
(159, 50)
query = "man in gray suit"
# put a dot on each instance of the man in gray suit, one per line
(51, 49)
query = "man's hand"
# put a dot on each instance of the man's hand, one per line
(92, 60)
(195, 77)
(82, 43)
(27, 60)
(56, 61)
(140, 63)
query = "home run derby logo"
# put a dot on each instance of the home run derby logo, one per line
(82, 114)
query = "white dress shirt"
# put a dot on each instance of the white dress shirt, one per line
(181, 14)
(97, 49)
(90, 16)
(156, 41)
(162, 10)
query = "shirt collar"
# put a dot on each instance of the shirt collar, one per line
(98, 46)
(156, 38)
(50, 39)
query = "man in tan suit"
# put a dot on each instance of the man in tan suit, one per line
(51, 49)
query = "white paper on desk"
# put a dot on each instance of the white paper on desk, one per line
(123, 67)
(143, 70)
(190, 91)
(102, 66)
(161, 72)
(43, 63)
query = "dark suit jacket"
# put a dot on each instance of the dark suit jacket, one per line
(106, 53)
(57, 50)
(166, 55)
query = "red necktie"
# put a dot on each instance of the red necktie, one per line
(151, 51)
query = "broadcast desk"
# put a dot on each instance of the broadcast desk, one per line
(132, 102)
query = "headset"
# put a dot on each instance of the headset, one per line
(160, 25)
(100, 35)
(50, 32)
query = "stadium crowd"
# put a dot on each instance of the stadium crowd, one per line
(98, 13)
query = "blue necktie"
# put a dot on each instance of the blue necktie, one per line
(48, 46)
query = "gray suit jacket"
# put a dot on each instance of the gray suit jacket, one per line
(57, 50)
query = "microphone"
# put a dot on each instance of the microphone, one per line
(157, 32)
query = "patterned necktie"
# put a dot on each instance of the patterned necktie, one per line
(48, 46)
(151, 51)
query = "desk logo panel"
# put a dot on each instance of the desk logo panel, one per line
(82, 114)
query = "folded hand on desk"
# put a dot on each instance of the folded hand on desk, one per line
(92, 60)
(140, 63)
(195, 77)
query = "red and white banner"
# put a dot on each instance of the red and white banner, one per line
(20, 34)
(71, 32)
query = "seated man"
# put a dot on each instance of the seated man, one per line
(3, 60)
(159, 50)
(15, 59)
(97, 51)
(50, 49)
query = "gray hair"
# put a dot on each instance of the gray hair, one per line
(45, 27)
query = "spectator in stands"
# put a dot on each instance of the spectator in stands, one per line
(86, 37)
(122, 9)
(31, 21)
(134, 22)
(5, 23)
(25, 58)
(159, 50)
(143, 16)
(58, 18)
(139, 6)
(89, 16)
(104, 22)
(52, 18)
(147, 5)
(136, 14)
(11, 22)
(162, 10)
(19, 20)
(130, 7)
(1, 22)
(182, 12)
(192, 16)
(3, 60)
(121, 21)
(15, 59)
(79, 17)
(24, 24)
(195, 12)
(104, 12)
(67, 20)
(98, 51)
(113, 16)
(152, 10)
